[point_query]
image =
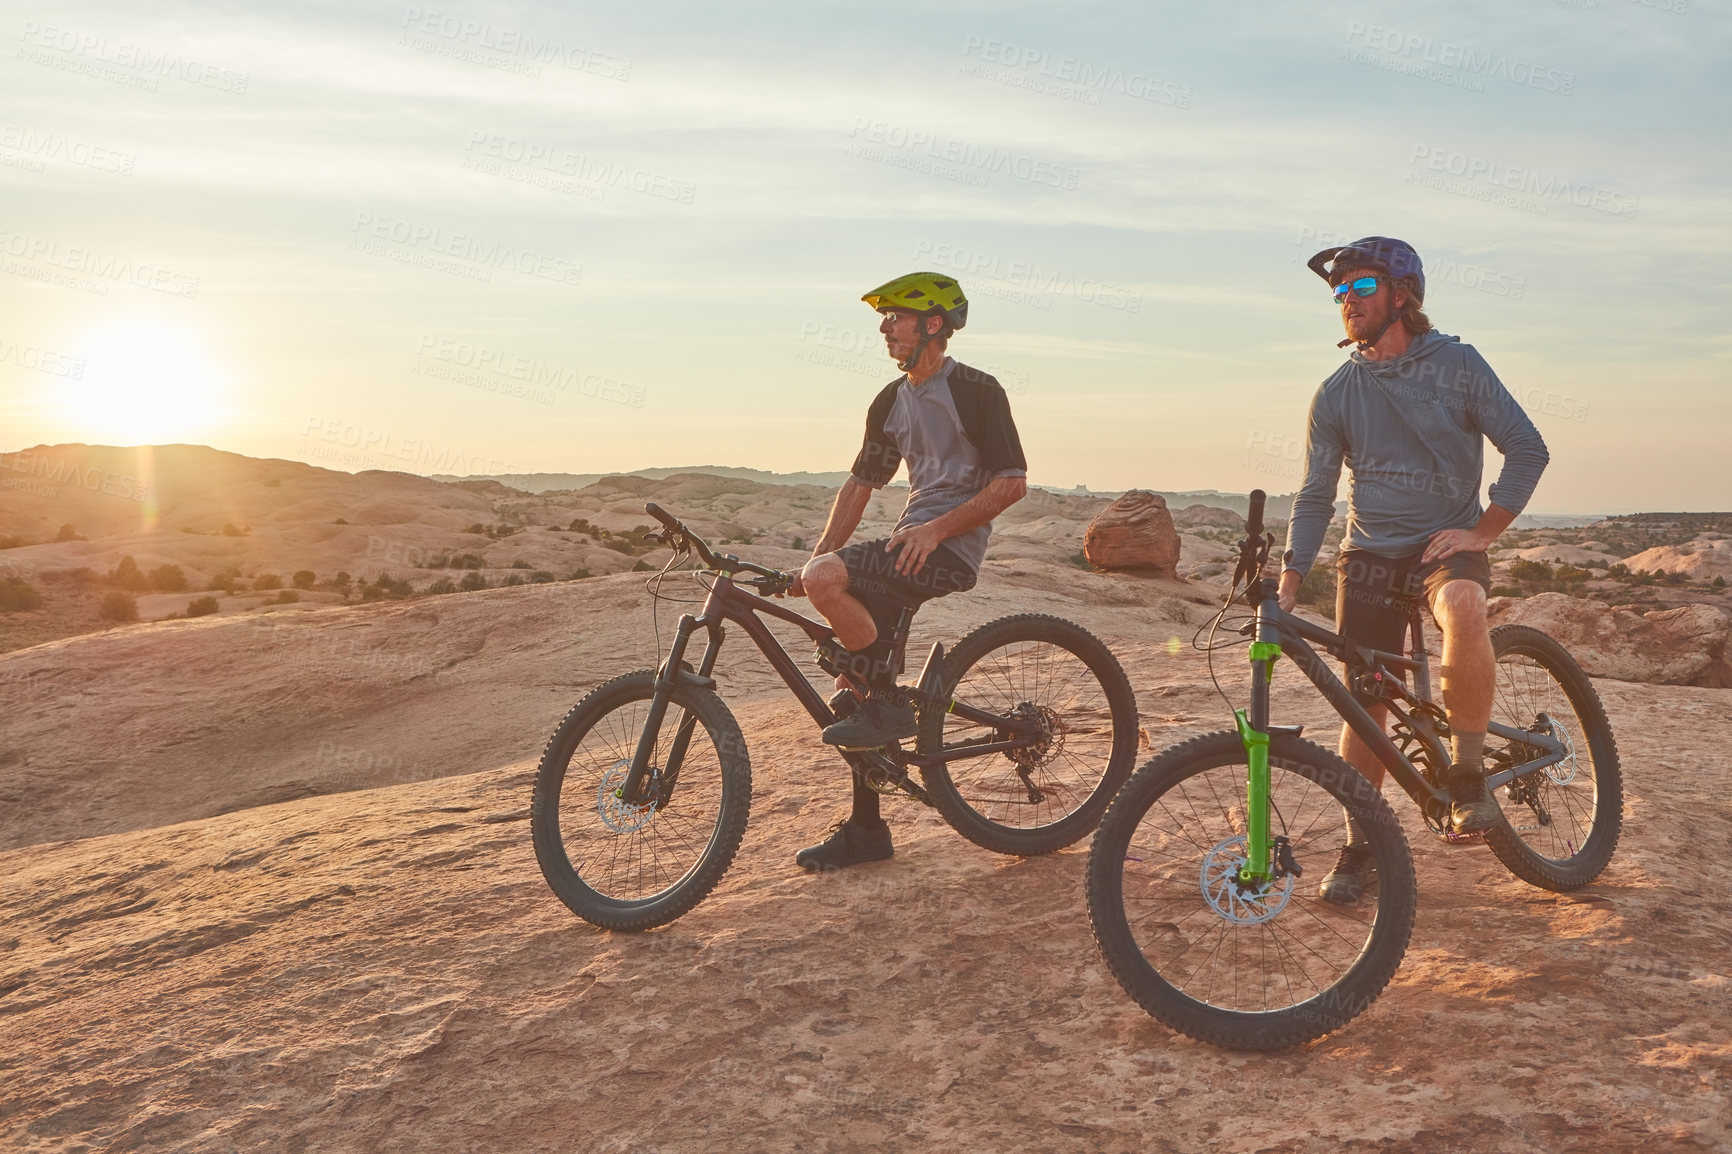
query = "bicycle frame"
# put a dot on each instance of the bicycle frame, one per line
(727, 602)
(1279, 633)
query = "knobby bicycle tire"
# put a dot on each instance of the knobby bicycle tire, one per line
(608, 827)
(1083, 782)
(1161, 782)
(1584, 863)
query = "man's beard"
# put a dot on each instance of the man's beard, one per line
(1367, 325)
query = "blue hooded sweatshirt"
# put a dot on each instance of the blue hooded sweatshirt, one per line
(1409, 431)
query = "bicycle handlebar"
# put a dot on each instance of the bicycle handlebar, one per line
(678, 534)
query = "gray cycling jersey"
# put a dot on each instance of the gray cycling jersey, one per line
(929, 425)
(1410, 432)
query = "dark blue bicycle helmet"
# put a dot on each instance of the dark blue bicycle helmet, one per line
(1395, 257)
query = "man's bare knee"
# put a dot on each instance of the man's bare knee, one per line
(824, 575)
(1460, 604)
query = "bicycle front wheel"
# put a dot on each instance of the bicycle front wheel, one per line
(1062, 678)
(1256, 967)
(631, 867)
(1561, 823)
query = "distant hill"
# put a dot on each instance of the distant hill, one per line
(1278, 506)
(554, 482)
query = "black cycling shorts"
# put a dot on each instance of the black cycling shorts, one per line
(873, 580)
(1374, 594)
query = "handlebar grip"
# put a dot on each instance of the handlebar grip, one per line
(661, 514)
(1254, 519)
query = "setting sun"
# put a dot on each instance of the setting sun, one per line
(145, 383)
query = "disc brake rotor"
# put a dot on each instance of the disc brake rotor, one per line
(616, 813)
(1562, 772)
(1232, 901)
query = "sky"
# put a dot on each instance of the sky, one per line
(495, 238)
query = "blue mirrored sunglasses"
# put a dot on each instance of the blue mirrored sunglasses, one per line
(1365, 286)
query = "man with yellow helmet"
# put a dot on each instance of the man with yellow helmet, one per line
(952, 425)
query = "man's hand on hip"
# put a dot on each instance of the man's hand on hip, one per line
(916, 544)
(1449, 542)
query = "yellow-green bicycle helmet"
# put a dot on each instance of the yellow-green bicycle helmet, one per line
(924, 292)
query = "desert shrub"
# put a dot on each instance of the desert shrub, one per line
(1080, 560)
(68, 533)
(497, 532)
(465, 561)
(1718, 583)
(274, 483)
(304, 579)
(542, 577)
(1572, 573)
(443, 585)
(18, 594)
(342, 582)
(127, 576)
(12, 542)
(118, 606)
(579, 574)
(233, 530)
(83, 575)
(386, 585)
(1530, 571)
(472, 581)
(225, 580)
(265, 582)
(288, 597)
(340, 521)
(643, 567)
(514, 579)
(168, 579)
(201, 606)
(520, 563)
(799, 543)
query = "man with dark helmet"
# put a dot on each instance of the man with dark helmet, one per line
(952, 425)
(1409, 413)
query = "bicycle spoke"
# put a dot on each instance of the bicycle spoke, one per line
(1275, 950)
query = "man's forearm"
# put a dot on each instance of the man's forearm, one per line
(845, 513)
(1493, 522)
(982, 507)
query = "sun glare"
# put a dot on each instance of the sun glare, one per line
(144, 383)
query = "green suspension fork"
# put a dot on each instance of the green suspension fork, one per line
(1257, 835)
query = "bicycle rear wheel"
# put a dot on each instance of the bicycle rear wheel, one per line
(1256, 968)
(631, 867)
(1561, 823)
(1040, 799)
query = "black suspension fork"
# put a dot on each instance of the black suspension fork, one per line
(632, 789)
(683, 738)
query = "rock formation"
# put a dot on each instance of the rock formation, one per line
(1683, 646)
(1134, 533)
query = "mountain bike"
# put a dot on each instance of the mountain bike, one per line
(1194, 877)
(1026, 728)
